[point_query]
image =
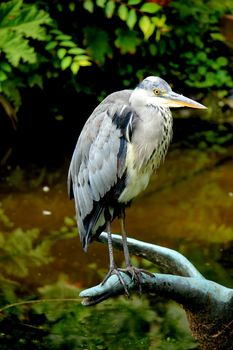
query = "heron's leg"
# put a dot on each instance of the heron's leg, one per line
(110, 247)
(124, 240)
(113, 268)
(132, 270)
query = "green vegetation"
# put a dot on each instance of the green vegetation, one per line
(133, 38)
(52, 315)
(55, 324)
(214, 140)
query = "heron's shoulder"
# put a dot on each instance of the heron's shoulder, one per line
(121, 97)
(112, 102)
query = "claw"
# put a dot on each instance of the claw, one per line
(136, 274)
(116, 271)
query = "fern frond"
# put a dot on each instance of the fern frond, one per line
(19, 22)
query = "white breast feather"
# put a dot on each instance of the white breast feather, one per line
(147, 150)
(137, 180)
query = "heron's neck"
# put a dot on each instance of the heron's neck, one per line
(152, 133)
(139, 98)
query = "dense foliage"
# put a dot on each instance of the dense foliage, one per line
(71, 42)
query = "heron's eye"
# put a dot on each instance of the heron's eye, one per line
(156, 91)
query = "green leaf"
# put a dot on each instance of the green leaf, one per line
(100, 3)
(51, 45)
(134, 2)
(67, 43)
(35, 79)
(22, 252)
(55, 31)
(76, 51)
(11, 91)
(82, 57)
(19, 22)
(222, 61)
(84, 63)
(63, 37)
(72, 6)
(127, 41)
(109, 8)
(123, 12)
(75, 67)
(153, 50)
(61, 53)
(23, 19)
(217, 36)
(146, 26)
(150, 7)
(69, 221)
(97, 41)
(201, 70)
(66, 62)
(5, 67)
(3, 76)
(201, 56)
(159, 21)
(132, 19)
(59, 7)
(16, 48)
(89, 6)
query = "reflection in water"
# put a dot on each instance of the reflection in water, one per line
(187, 207)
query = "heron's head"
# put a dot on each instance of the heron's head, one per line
(156, 91)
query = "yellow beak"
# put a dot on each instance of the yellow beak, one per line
(175, 100)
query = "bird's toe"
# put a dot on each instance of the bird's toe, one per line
(116, 271)
(136, 275)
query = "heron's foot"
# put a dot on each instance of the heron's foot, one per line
(136, 274)
(116, 271)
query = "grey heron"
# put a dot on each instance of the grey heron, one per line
(122, 143)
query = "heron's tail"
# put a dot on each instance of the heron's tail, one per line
(92, 226)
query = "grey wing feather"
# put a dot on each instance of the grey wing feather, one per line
(95, 165)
